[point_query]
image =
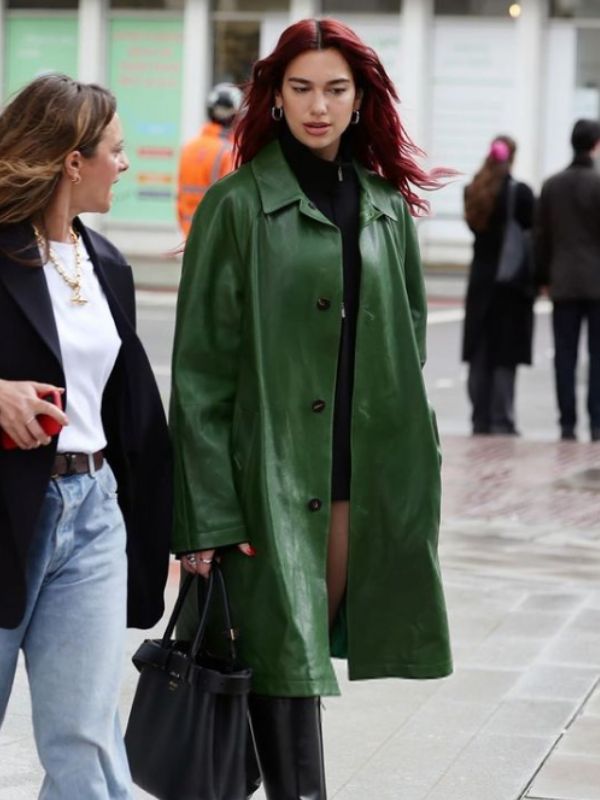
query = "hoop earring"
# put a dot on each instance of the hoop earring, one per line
(277, 113)
(355, 118)
(76, 179)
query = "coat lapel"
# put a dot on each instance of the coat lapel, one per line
(27, 284)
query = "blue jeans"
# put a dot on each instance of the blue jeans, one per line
(567, 320)
(73, 637)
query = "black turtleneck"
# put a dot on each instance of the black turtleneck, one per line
(334, 189)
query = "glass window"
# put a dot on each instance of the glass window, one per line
(235, 50)
(587, 92)
(358, 6)
(482, 8)
(574, 8)
(147, 5)
(55, 5)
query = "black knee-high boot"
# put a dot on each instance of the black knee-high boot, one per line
(289, 744)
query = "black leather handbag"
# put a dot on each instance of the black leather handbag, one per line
(186, 735)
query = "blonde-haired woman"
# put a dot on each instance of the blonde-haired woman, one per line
(498, 324)
(67, 323)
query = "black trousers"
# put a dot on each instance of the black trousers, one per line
(492, 394)
(568, 317)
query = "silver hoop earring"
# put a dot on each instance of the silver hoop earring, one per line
(355, 118)
(277, 113)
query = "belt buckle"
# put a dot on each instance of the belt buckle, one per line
(71, 459)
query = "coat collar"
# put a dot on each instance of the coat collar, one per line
(278, 187)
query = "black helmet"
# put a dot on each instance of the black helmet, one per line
(224, 101)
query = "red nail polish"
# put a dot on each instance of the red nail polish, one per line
(251, 551)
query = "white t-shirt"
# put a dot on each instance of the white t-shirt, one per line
(89, 345)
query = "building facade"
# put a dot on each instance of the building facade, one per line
(465, 70)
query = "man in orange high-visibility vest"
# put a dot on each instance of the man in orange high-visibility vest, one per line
(209, 156)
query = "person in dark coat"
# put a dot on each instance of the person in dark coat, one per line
(568, 270)
(498, 327)
(85, 511)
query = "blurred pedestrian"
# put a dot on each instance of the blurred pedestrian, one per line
(302, 430)
(72, 503)
(568, 262)
(498, 326)
(208, 156)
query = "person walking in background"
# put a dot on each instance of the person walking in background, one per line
(498, 326)
(209, 156)
(567, 239)
(301, 427)
(74, 503)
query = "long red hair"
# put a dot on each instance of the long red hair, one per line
(380, 141)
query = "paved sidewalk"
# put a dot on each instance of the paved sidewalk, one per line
(520, 718)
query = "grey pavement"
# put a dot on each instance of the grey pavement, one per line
(520, 717)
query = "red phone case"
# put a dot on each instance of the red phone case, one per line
(48, 424)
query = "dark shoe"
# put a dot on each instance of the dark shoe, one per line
(289, 744)
(568, 435)
(595, 435)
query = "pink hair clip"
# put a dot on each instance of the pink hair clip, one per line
(499, 150)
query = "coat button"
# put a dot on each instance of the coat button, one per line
(323, 304)
(318, 406)
(314, 504)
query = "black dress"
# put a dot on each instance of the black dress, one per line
(334, 189)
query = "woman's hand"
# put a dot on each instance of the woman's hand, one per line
(20, 404)
(199, 563)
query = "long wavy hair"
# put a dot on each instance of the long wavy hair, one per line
(481, 193)
(48, 119)
(380, 141)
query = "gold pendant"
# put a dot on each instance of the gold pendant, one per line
(77, 298)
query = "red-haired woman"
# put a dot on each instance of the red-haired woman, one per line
(307, 456)
(498, 326)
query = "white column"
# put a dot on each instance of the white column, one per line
(304, 9)
(93, 21)
(415, 67)
(530, 36)
(196, 67)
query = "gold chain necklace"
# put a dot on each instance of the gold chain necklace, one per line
(72, 281)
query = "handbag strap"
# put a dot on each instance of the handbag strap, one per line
(216, 576)
(511, 201)
(183, 591)
(205, 603)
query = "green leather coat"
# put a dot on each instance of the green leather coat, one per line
(258, 327)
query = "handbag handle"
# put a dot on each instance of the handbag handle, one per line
(216, 576)
(205, 603)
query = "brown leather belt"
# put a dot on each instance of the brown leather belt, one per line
(66, 464)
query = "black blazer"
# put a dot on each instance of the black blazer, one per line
(134, 422)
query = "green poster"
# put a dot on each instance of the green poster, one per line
(145, 74)
(36, 45)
